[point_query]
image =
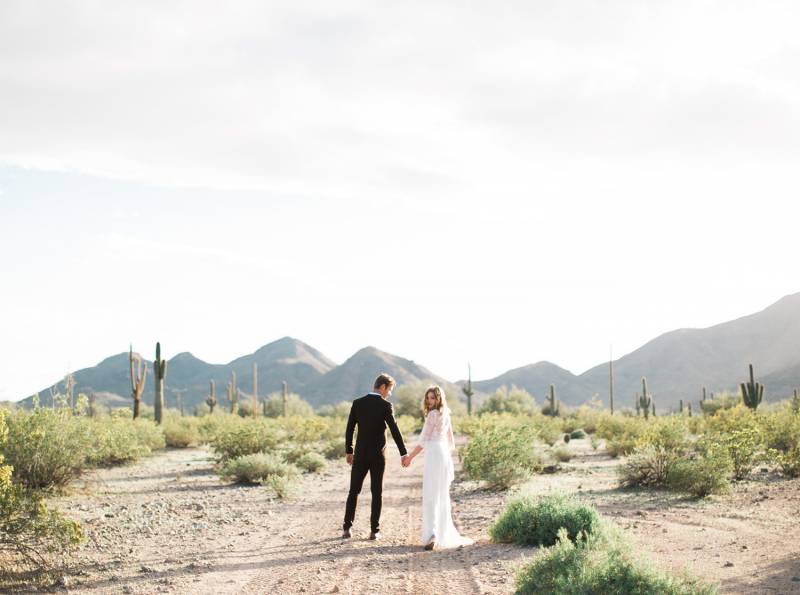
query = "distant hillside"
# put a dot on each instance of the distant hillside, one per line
(679, 363)
(354, 377)
(536, 379)
(285, 359)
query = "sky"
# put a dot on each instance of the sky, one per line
(450, 182)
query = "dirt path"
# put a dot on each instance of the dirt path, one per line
(168, 524)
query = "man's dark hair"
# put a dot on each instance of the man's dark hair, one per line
(384, 379)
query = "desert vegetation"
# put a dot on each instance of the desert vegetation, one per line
(504, 446)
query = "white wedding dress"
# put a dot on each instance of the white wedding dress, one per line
(437, 442)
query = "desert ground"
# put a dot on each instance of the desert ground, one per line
(169, 525)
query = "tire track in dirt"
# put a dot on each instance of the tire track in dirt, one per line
(316, 560)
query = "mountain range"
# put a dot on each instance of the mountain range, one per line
(677, 364)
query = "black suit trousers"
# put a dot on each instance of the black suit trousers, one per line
(374, 462)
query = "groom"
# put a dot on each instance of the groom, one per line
(371, 413)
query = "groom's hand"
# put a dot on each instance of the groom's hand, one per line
(405, 461)
(349, 459)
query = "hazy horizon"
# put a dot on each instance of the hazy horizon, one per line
(497, 185)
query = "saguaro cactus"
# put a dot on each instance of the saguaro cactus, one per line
(138, 378)
(552, 402)
(680, 407)
(636, 404)
(752, 392)
(796, 402)
(69, 388)
(255, 389)
(611, 384)
(160, 374)
(646, 400)
(211, 399)
(233, 393)
(468, 392)
(285, 397)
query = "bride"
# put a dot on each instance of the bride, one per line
(437, 441)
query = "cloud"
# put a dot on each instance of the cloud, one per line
(361, 99)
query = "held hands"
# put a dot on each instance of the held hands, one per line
(349, 459)
(405, 460)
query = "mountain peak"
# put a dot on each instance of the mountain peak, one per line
(184, 356)
(370, 350)
(284, 345)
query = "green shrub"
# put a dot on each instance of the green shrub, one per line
(249, 436)
(586, 416)
(501, 456)
(742, 448)
(610, 427)
(47, 448)
(335, 428)
(407, 399)
(701, 476)
(516, 401)
(149, 434)
(621, 446)
(244, 408)
(291, 453)
(213, 425)
(283, 486)
(738, 417)
(781, 430)
(577, 434)
(341, 409)
(526, 521)
(408, 424)
(621, 433)
(333, 449)
(666, 433)
(548, 428)
(789, 462)
(469, 425)
(28, 530)
(696, 424)
(181, 432)
(562, 454)
(118, 440)
(256, 467)
(648, 466)
(660, 441)
(295, 406)
(720, 402)
(303, 430)
(601, 564)
(312, 462)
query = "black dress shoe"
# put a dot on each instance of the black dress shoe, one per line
(373, 535)
(347, 533)
(431, 544)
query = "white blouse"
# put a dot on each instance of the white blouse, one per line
(437, 428)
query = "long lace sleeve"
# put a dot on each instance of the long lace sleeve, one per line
(450, 439)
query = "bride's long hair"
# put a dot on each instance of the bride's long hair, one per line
(441, 402)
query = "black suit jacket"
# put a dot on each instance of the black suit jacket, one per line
(372, 414)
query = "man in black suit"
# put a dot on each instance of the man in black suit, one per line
(371, 413)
